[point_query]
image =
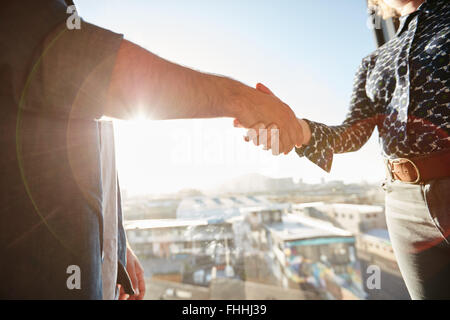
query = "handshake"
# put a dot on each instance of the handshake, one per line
(271, 123)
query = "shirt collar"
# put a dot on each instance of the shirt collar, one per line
(425, 7)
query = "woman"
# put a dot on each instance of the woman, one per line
(403, 89)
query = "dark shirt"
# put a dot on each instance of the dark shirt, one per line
(53, 89)
(402, 89)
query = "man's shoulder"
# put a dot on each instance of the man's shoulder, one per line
(28, 21)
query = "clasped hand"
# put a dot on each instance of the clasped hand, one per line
(278, 129)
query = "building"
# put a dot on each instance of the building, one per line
(351, 217)
(250, 239)
(224, 207)
(313, 255)
(368, 224)
(196, 250)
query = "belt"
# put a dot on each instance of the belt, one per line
(421, 169)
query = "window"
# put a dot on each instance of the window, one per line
(188, 177)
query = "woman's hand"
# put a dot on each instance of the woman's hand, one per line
(260, 109)
(268, 136)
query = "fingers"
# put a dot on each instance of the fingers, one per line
(141, 279)
(264, 89)
(291, 132)
(271, 131)
(122, 294)
(263, 136)
(237, 124)
(253, 134)
(269, 138)
(287, 134)
(259, 135)
(274, 140)
(285, 140)
(294, 135)
(133, 277)
(300, 138)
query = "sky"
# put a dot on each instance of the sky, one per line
(306, 51)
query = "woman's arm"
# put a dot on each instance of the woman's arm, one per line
(355, 131)
(320, 142)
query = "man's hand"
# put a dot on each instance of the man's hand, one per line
(261, 109)
(136, 273)
(265, 137)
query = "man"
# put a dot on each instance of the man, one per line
(58, 225)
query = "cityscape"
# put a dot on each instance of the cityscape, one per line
(259, 238)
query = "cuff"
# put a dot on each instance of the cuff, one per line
(319, 150)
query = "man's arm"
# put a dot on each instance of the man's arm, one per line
(145, 84)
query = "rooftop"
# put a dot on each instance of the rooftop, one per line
(378, 233)
(224, 207)
(170, 223)
(294, 228)
(341, 207)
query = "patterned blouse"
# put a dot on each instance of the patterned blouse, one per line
(402, 88)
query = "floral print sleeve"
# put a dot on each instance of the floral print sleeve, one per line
(349, 136)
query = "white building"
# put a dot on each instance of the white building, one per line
(224, 207)
(352, 217)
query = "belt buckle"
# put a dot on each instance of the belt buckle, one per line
(399, 161)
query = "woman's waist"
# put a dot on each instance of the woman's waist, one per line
(419, 169)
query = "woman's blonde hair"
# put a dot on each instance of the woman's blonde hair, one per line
(383, 9)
